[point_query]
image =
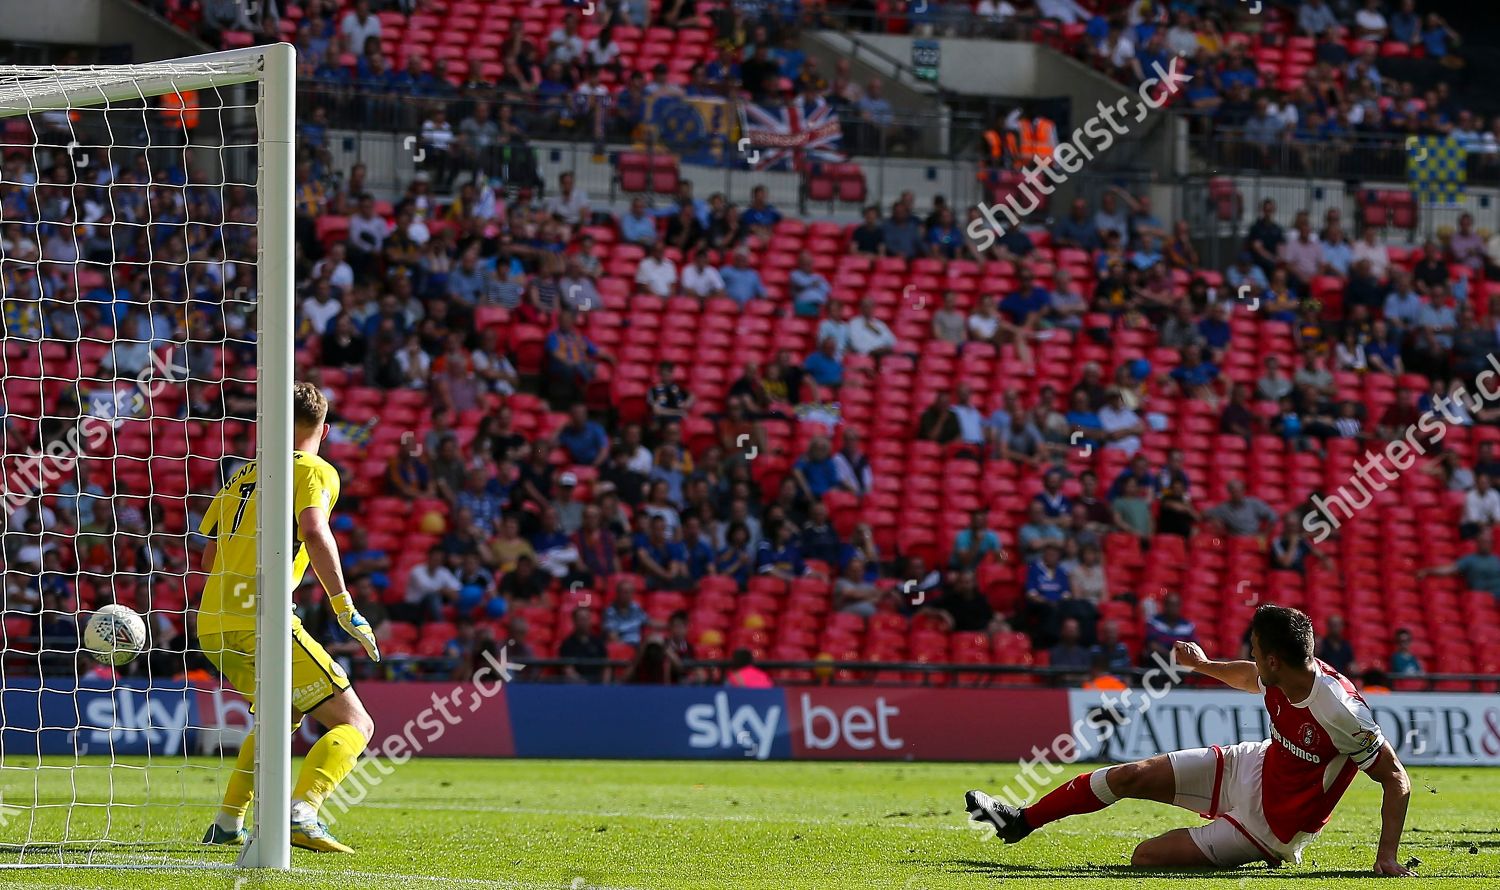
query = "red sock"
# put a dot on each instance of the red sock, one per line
(1071, 799)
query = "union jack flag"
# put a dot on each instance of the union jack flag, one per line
(785, 137)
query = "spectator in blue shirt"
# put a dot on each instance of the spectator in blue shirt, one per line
(483, 505)
(809, 288)
(780, 555)
(1244, 75)
(1383, 352)
(699, 554)
(1437, 37)
(760, 214)
(900, 233)
(1115, 655)
(818, 539)
(1025, 307)
(624, 617)
(724, 69)
(661, 560)
(1055, 505)
(411, 80)
(788, 57)
(1215, 329)
(1046, 587)
(1195, 374)
(972, 545)
(637, 226)
(1314, 17)
(1165, 628)
(470, 281)
(390, 311)
(735, 559)
(944, 240)
(1152, 54)
(824, 365)
(1077, 229)
(1084, 420)
(585, 441)
(362, 559)
(1245, 272)
(742, 282)
(816, 473)
(1403, 660)
(374, 73)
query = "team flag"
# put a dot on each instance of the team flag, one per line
(1436, 169)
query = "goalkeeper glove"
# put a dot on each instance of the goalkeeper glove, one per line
(354, 624)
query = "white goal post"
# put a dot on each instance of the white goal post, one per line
(33, 92)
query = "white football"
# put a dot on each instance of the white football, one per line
(114, 635)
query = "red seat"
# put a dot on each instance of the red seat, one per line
(633, 170)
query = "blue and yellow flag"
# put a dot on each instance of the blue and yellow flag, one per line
(1436, 169)
(700, 129)
(345, 432)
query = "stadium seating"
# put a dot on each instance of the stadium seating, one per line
(923, 493)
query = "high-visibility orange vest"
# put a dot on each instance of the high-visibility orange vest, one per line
(185, 106)
(1038, 139)
(995, 146)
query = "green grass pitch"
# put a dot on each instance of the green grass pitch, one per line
(675, 826)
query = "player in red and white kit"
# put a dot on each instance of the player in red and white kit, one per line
(1267, 800)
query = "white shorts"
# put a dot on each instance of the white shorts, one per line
(1223, 784)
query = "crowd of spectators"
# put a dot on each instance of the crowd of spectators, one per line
(1334, 74)
(671, 518)
(394, 304)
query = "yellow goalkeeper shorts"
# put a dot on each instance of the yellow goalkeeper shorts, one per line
(316, 677)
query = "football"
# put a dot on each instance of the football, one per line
(115, 635)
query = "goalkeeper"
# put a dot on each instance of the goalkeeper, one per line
(226, 629)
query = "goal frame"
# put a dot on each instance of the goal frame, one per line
(274, 68)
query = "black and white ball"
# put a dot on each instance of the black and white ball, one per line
(114, 635)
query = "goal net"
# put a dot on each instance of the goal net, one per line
(145, 257)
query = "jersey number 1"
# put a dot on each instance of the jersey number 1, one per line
(246, 489)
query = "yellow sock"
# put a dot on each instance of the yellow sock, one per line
(329, 761)
(241, 785)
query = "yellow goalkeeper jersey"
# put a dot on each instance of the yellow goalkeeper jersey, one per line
(229, 594)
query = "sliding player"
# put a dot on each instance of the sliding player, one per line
(226, 630)
(1268, 800)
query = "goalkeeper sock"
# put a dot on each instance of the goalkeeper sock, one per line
(1087, 793)
(241, 788)
(329, 761)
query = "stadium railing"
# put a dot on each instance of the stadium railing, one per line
(1361, 156)
(952, 674)
(929, 148)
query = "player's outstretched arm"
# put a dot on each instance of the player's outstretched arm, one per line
(1388, 771)
(1240, 675)
(323, 554)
